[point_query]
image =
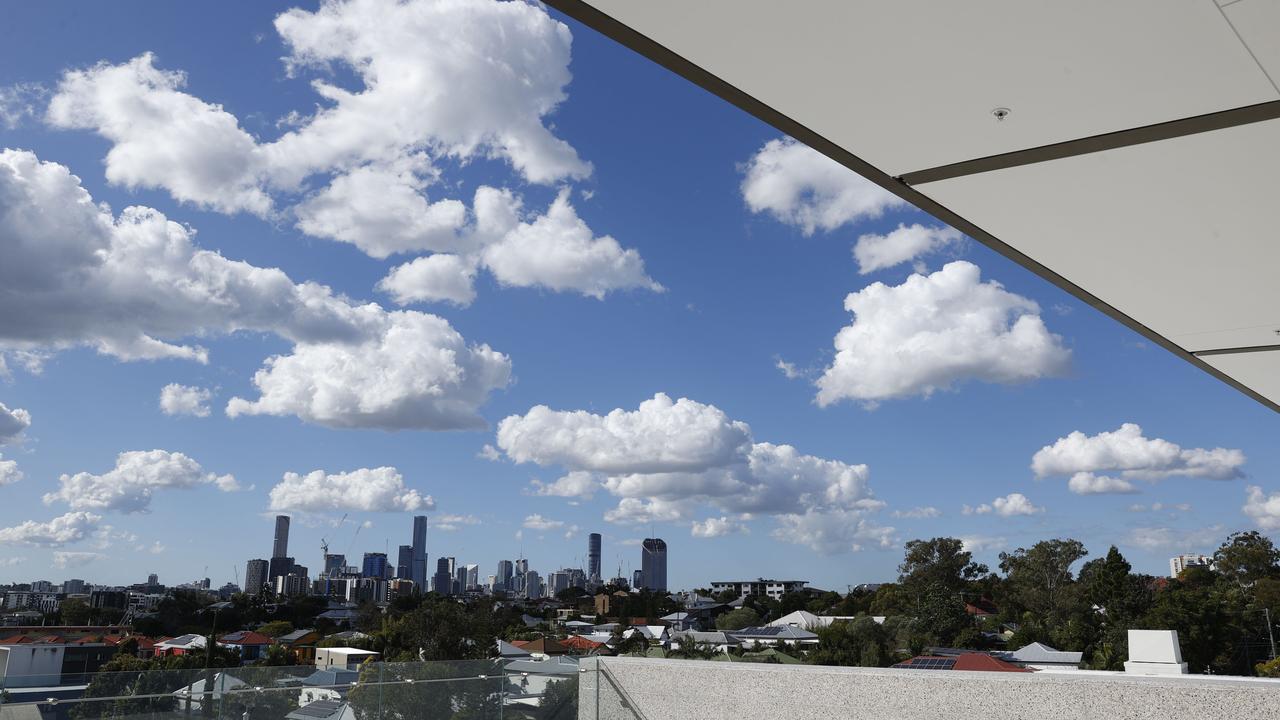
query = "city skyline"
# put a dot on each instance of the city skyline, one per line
(550, 310)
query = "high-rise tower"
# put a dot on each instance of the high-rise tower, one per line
(653, 564)
(593, 557)
(418, 570)
(281, 564)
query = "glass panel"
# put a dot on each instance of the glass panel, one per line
(466, 689)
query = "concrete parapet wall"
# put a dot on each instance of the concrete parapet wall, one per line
(704, 690)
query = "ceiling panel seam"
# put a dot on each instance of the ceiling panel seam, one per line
(1248, 49)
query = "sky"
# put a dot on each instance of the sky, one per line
(362, 260)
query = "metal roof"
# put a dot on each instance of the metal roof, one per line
(1135, 163)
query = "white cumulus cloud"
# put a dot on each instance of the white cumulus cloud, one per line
(1128, 455)
(178, 399)
(383, 211)
(451, 523)
(1087, 483)
(136, 287)
(559, 252)
(717, 527)
(918, 513)
(137, 475)
(577, 484)
(380, 489)
(804, 188)
(69, 528)
(415, 372)
(13, 422)
(1263, 509)
(65, 559)
(9, 472)
(537, 522)
(1167, 538)
(669, 458)
(935, 331)
(981, 543)
(661, 436)
(833, 531)
(442, 277)
(906, 243)
(162, 137)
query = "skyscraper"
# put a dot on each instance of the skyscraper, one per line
(281, 563)
(281, 547)
(418, 572)
(442, 581)
(502, 581)
(255, 576)
(404, 562)
(375, 565)
(473, 577)
(334, 564)
(593, 557)
(653, 564)
(532, 585)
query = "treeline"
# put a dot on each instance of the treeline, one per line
(1044, 593)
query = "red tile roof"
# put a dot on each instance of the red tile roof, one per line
(577, 642)
(246, 637)
(985, 662)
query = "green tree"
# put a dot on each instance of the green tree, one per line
(276, 628)
(737, 619)
(1038, 576)
(1247, 557)
(937, 564)
(861, 643)
(75, 611)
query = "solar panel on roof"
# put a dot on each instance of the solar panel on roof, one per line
(927, 663)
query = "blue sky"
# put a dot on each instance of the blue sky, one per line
(713, 276)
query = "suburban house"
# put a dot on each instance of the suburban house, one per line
(770, 636)
(302, 643)
(252, 645)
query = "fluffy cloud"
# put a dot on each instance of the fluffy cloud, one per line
(935, 331)
(178, 399)
(918, 513)
(877, 252)
(833, 531)
(69, 528)
(668, 458)
(415, 372)
(717, 527)
(1128, 455)
(64, 560)
(442, 277)
(638, 511)
(537, 522)
(382, 211)
(9, 472)
(1264, 510)
(380, 489)
(128, 487)
(661, 436)
(802, 187)
(375, 151)
(981, 543)
(411, 58)
(162, 137)
(1007, 506)
(135, 286)
(577, 484)
(1157, 507)
(558, 251)
(451, 523)
(19, 102)
(72, 274)
(1086, 483)
(788, 370)
(13, 423)
(1166, 538)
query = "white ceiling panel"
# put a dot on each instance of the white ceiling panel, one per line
(1258, 370)
(910, 84)
(1258, 23)
(1180, 235)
